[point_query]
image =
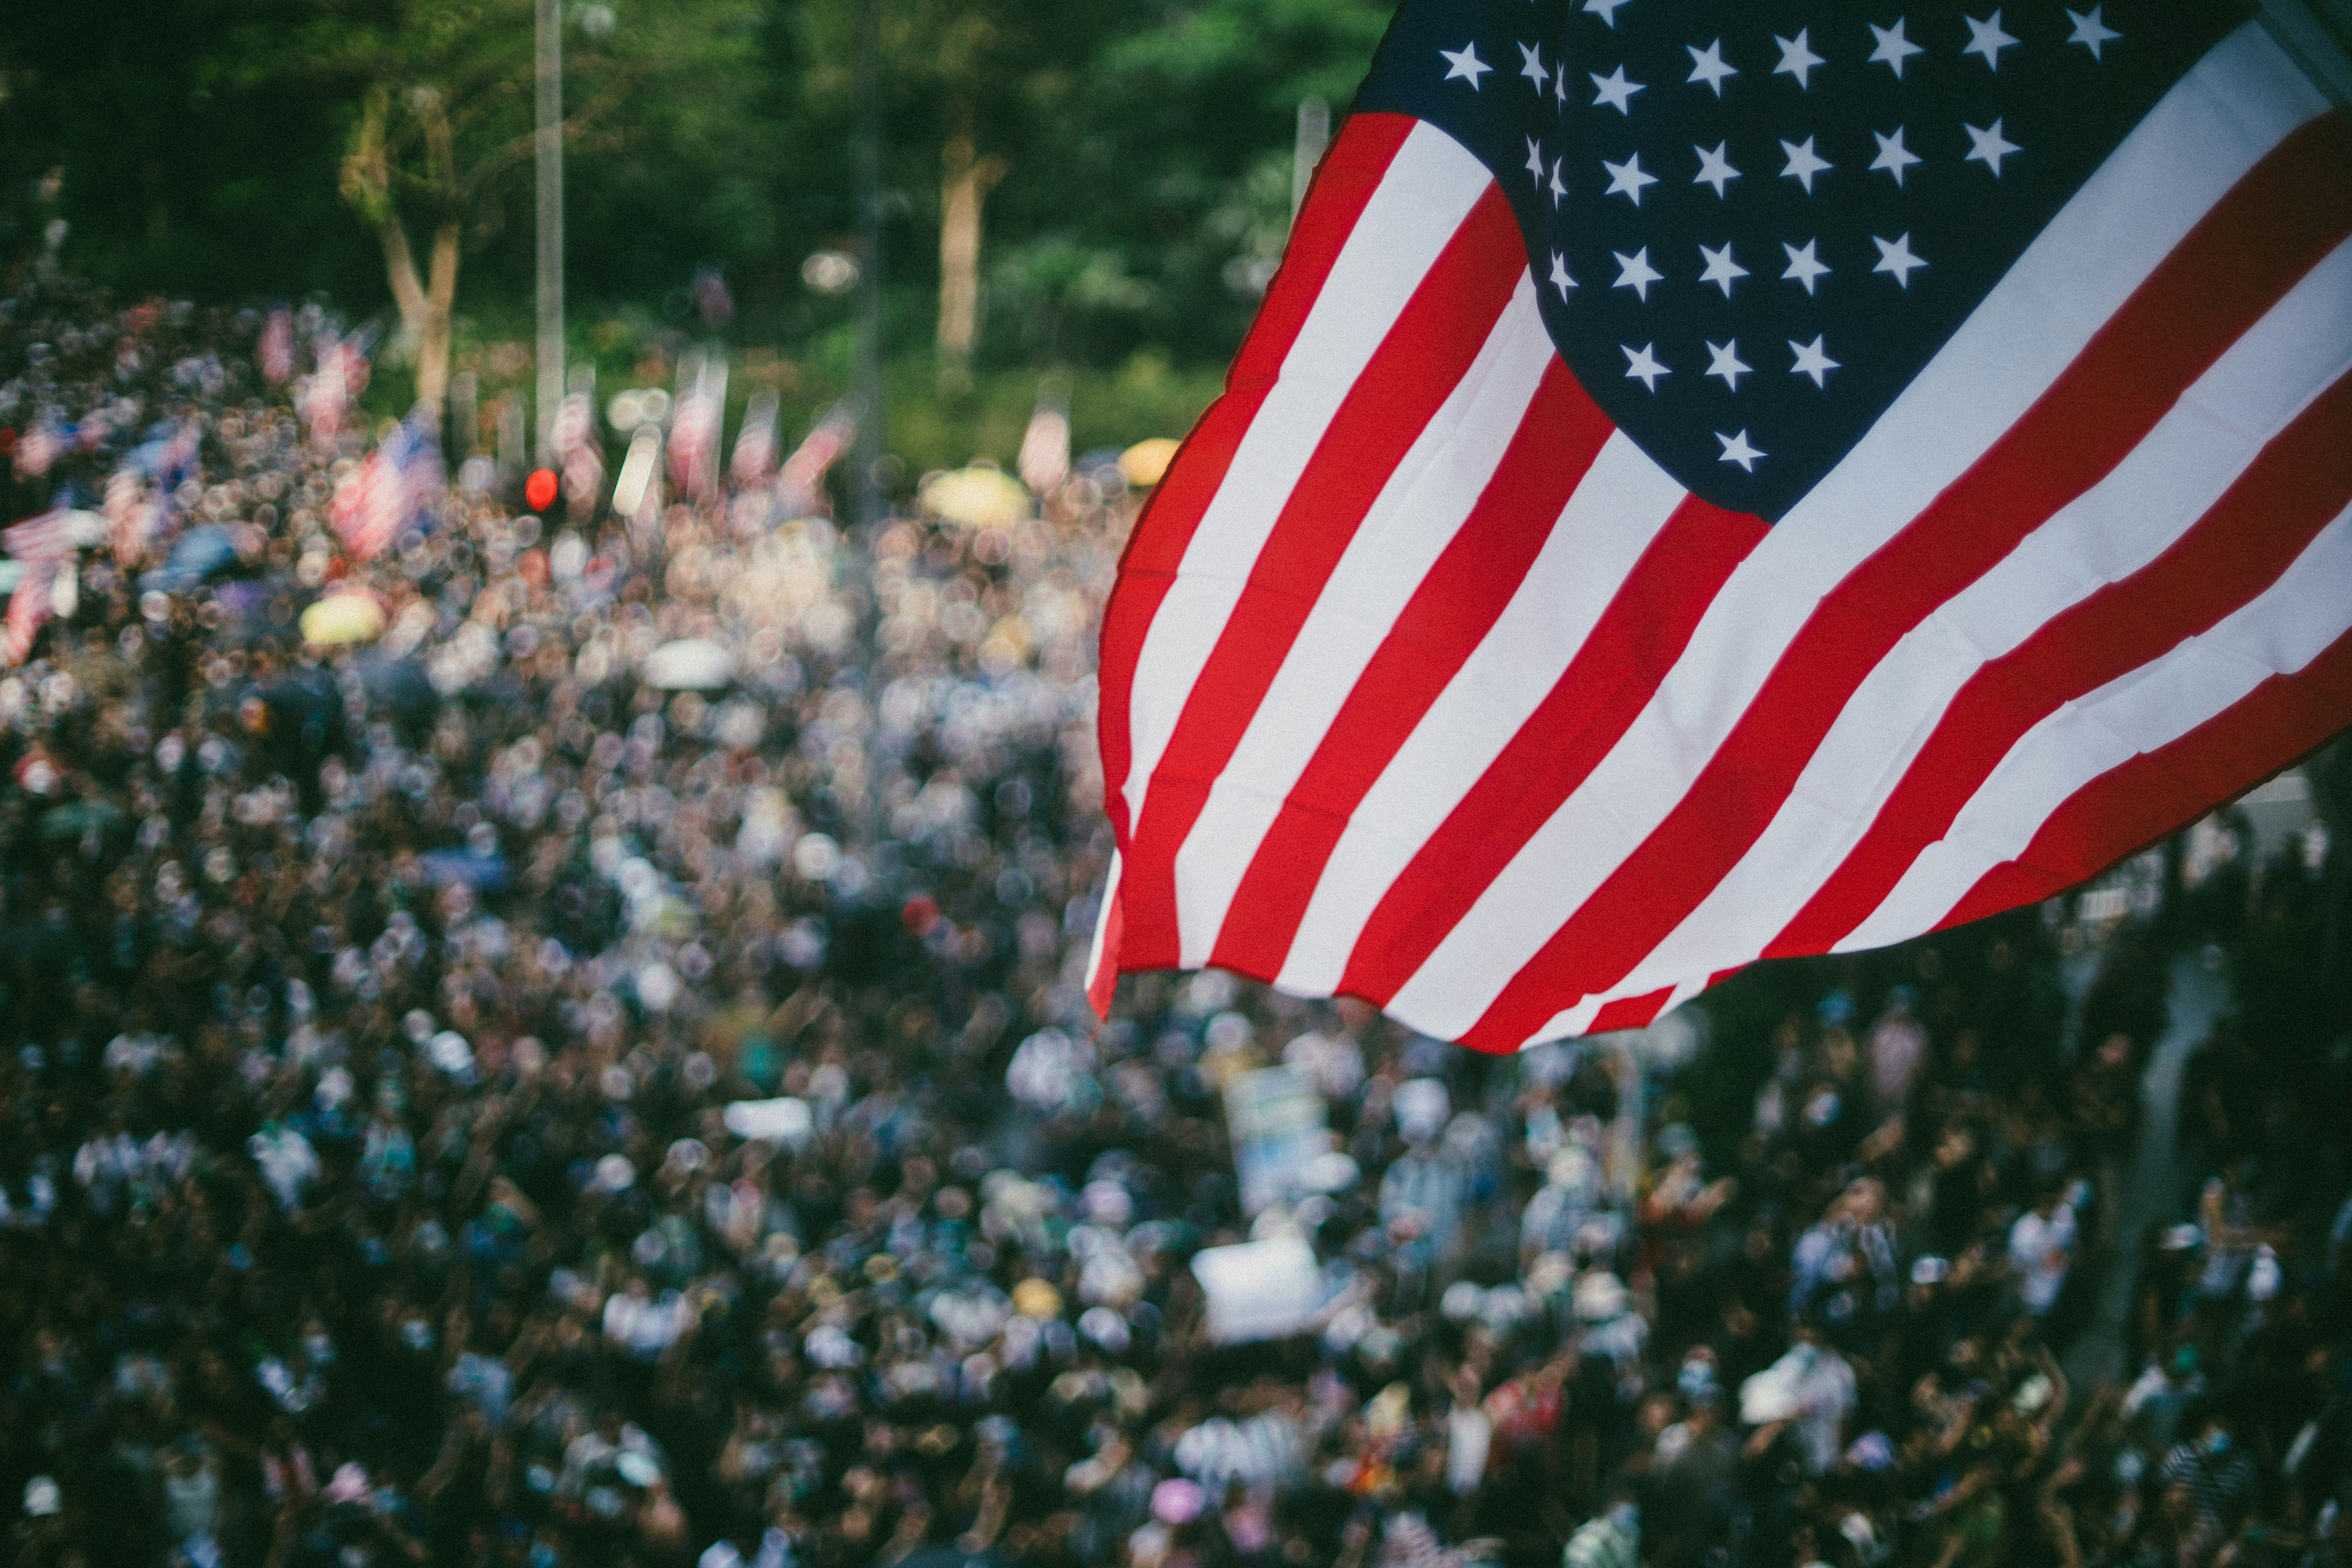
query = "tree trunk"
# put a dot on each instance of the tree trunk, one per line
(433, 340)
(425, 305)
(961, 192)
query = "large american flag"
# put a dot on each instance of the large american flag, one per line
(1715, 482)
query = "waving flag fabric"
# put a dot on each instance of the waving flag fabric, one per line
(578, 450)
(389, 490)
(1715, 482)
(40, 545)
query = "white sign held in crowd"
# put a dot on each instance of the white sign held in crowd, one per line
(1258, 1289)
(784, 1121)
(1278, 1123)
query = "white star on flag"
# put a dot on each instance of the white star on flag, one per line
(1892, 49)
(2091, 31)
(1736, 450)
(1812, 360)
(1797, 57)
(1464, 63)
(1636, 273)
(1989, 147)
(1560, 277)
(1804, 163)
(1532, 66)
(1604, 9)
(1642, 365)
(1893, 156)
(1803, 265)
(1895, 257)
(1720, 268)
(1706, 66)
(1536, 160)
(1714, 167)
(1725, 362)
(1626, 179)
(1986, 38)
(1559, 191)
(1614, 91)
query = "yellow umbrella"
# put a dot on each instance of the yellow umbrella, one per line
(343, 619)
(1142, 464)
(1036, 1299)
(977, 497)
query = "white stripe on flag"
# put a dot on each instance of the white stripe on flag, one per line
(1430, 187)
(1418, 513)
(2277, 633)
(1616, 509)
(1102, 921)
(2194, 453)
(1579, 1019)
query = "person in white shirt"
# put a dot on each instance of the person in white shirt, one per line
(2041, 1250)
(643, 1324)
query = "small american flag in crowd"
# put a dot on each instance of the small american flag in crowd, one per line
(40, 544)
(276, 351)
(383, 496)
(170, 454)
(131, 517)
(41, 445)
(1044, 460)
(340, 376)
(755, 443)
(577, 453)
(818, 450)
(693, 443)
(696, 427)
(1716, 482)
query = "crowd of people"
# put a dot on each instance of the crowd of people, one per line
(474, 1098)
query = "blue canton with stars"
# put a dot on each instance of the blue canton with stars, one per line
(1752, 225)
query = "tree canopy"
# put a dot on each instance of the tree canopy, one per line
(235, 149)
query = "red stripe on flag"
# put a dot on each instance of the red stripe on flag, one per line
(2137, 803)
(1604, 688)
(1350, 173)
(1103, 983)
(1449, 614)
(2301, 479)
(2287, 212)
(1630, 1011)
(1409, 378)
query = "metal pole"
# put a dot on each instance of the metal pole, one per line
(871, 394)
(872, 399)
(549, 77)
(1307, 151)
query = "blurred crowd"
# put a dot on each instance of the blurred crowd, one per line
(503, 1090)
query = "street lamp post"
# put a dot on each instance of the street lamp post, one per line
(1306, 150)
(871, 435)
(872, 394)
(548, 73)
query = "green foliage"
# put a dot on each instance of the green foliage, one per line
(1145, 396)
(200, 146)
(172, 172)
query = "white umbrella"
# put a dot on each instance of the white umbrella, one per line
(690, 664)
(784, 1121)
